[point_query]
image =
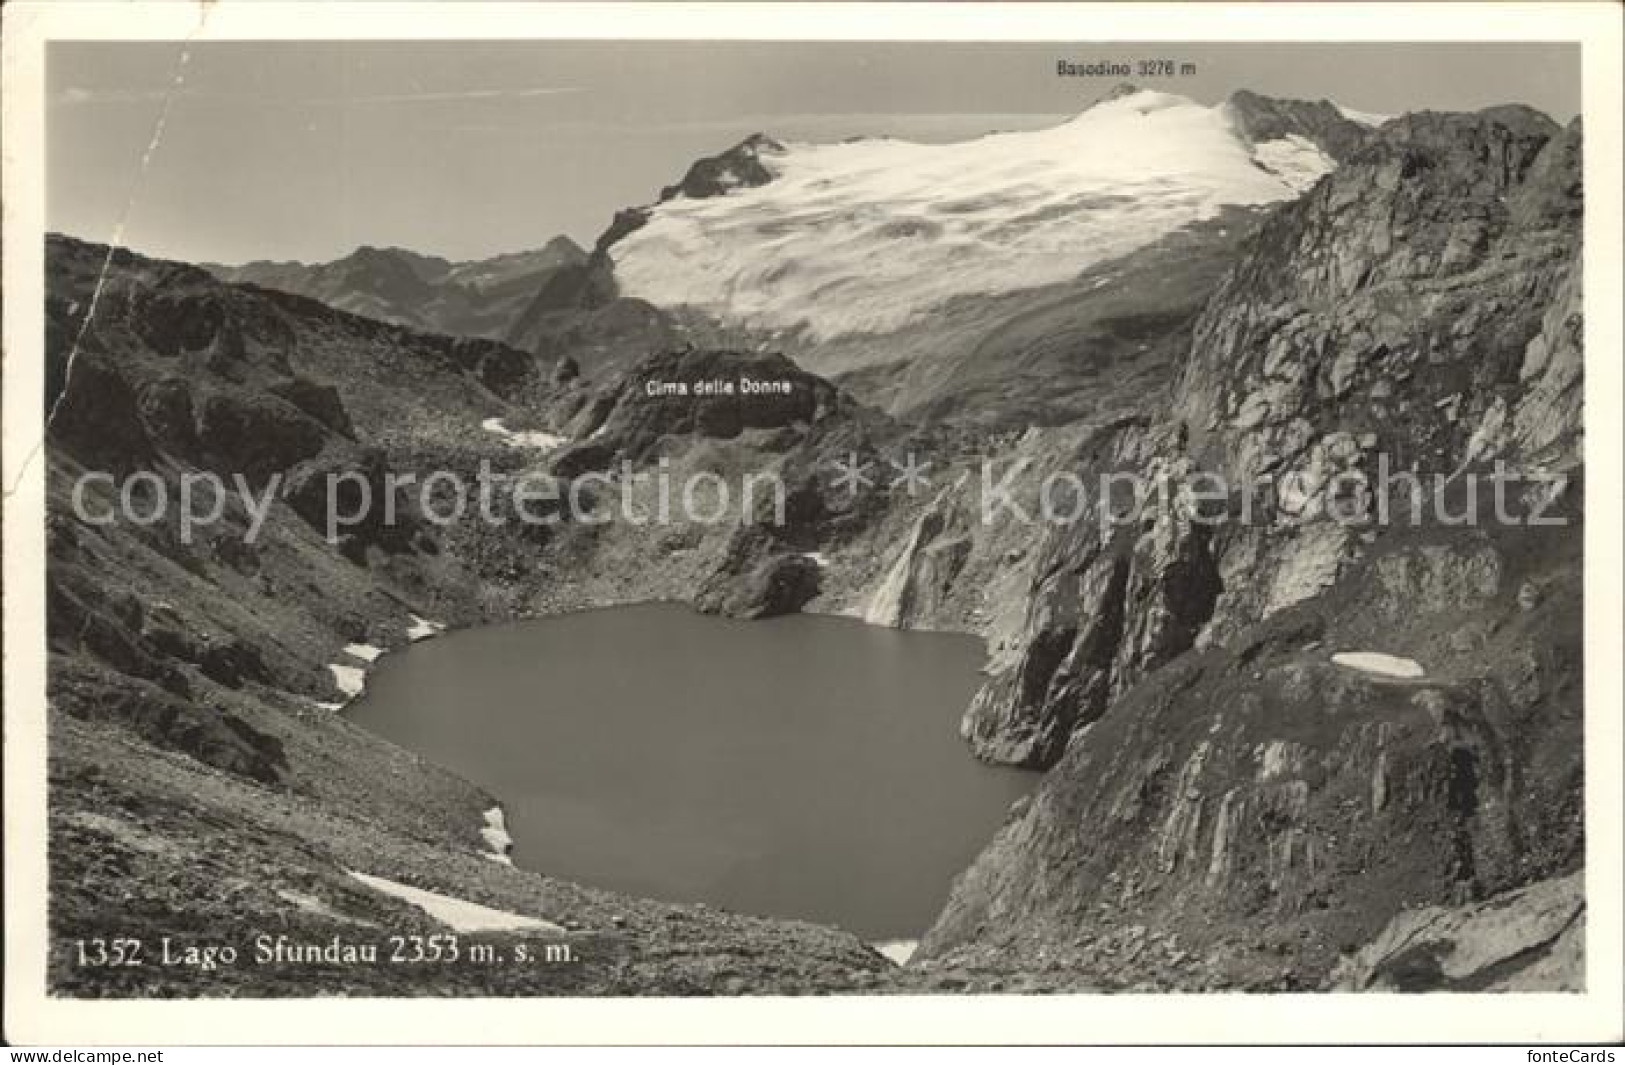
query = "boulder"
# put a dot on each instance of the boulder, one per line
(1528, 940)
(779, 584)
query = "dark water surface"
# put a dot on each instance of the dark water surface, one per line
(802, 767)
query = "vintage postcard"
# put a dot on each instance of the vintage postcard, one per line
(790, 523)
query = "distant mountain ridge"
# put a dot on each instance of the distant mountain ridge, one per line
(474, 298)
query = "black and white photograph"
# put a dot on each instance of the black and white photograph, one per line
(701, 517)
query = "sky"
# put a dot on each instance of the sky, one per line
(304, 150)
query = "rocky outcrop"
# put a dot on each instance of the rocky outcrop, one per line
(1400, 315)
(1061, 679)
(1106, 602)
(97, 414)
(254, 435)
(1529, 940)
(776, 585)
(705, 393)
(319, 401)
(717, 175)
(1113, 614)
(1546, 425)
(1272, 810)
(1408, 283)
(929, 560)
(359, 488)
(1170, 592)
(81, 617)
(1265, 807)
(1265, 118)
(206, 732)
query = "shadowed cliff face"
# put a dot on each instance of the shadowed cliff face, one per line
(1217, 777)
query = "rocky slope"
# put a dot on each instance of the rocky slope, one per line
(1332, 343)
(1218, 775)
(476, 298)
(200, 774)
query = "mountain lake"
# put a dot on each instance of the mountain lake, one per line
(806, 767)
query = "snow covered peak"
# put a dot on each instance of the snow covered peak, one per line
(1128, 97)
(866, 236)
(717, 175)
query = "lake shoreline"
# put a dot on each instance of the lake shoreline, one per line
(727, 633)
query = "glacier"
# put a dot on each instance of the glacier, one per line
(867, 235)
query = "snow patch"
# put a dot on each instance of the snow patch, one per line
(495, 833)
(351, 680)
(1296, 160)
(1364, 118)
(313, 904)
(459, 915)
(867, 236)
(364, 651)
(423, 629)
(898, 950)
(537, 439)
(1377, 662)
